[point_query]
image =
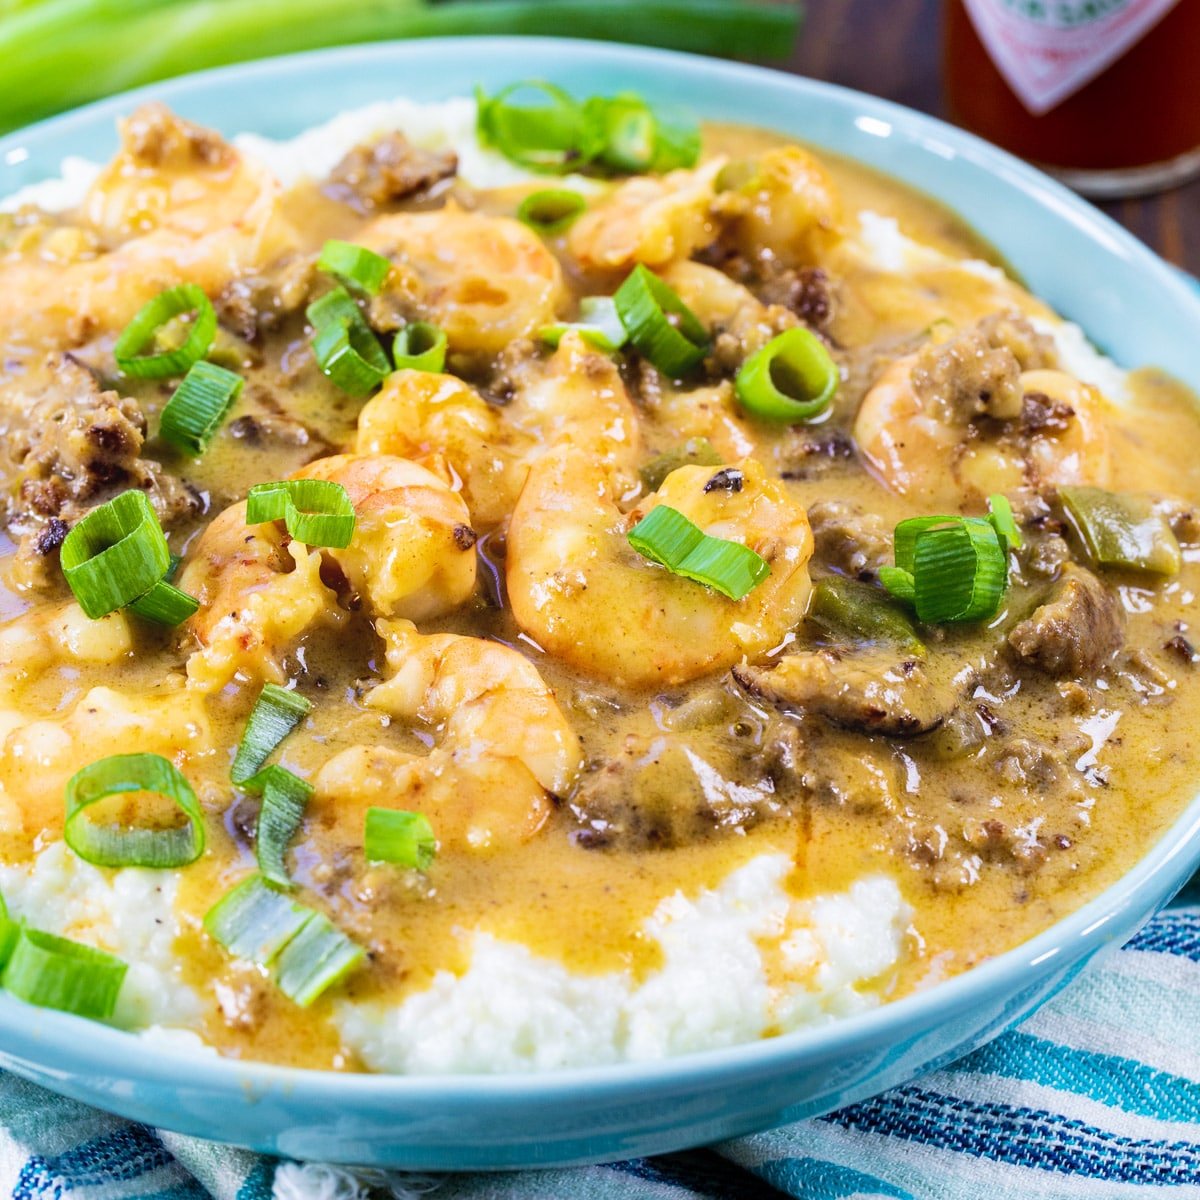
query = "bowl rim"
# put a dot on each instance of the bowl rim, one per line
(93, 1047)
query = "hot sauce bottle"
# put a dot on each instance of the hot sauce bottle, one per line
(1100, 92)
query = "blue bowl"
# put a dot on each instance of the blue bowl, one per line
(1133, 305)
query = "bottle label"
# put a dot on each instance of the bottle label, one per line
(1048, 49)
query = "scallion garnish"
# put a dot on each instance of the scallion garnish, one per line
(404, 838)
(598, 325)
(551, 210)
(199, 405)
(284, 798)
(8, 933)
(255, 921)
(664, 535)
(548, 132)
(109, 556)
(121, 845)
(305, 953)
(150, 319)
(319, 956)
(165, 604)
(345, 346)
(276, 712)
(540, 126)
(116, 554)
(355, 266)
(420, 346)
(55, 972)
(317, 512)
(659, 324)
(953, 568)
(792, 378)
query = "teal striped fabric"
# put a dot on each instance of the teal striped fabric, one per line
(1095, 1097)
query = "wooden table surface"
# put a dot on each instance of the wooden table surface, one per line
(892, 48)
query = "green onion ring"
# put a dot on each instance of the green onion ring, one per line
(276, 712)
(551, 210)
(665, 536)
(792, 378)
(645, 305)
(345, 346)
(318, 957)
(403, 838)
(284, 798)
(112, 846)
(200, 403)
(598, 324)
(355, 266)
(115, 555)
(55, 972)
(420, 346)
(317, 512)
(553, 137)
(150, 318)
(165, 604)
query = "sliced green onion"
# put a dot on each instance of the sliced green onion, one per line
(346, 357)
(960, 573)
(676, 140)
(694, 452)
(117, 846)
(200, 403)
(659, 324)
(598, 325)
(899, 582)
(1119, 530)
(665, 536)
(420, 347)
(317, 512)
(276, 712)
(255, 921)
(552, 134)
(1000, 514)
(345, 346)
(55, 972)
(284, 798)
(950, 568)
(304, 951)
(851, 608)
(165, 604)
(318, 957)
(625, 130)
(116, 554)
(8, 933)
(355, 266)
(150, 319)
(404, 838)
(792, 378)
(551, 210)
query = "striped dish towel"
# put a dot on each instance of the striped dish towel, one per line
(1095, 1096)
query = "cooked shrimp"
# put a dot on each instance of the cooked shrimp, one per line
(651, 219)
(1058, 434)
(576, 393)
(259, 590)
(177, 205)
(443, 422)
(502, 747)
(584, 594)
(411, 551)
(788, 207)
(485, 280)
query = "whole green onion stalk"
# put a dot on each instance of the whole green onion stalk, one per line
(55, 54)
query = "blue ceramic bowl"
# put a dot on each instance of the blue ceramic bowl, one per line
(1132, 304)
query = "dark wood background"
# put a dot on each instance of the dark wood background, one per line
(893, 48)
